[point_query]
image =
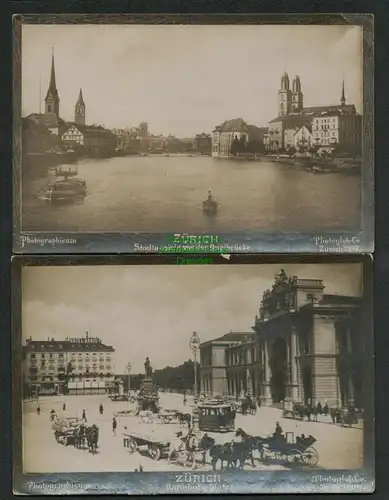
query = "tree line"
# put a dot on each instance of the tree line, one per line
(175, 378)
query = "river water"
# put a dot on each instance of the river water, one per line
(164, 194)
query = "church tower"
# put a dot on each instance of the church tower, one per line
(284, 96)
(343, 98)
(79, 110)
(52, 100)
(297, 95)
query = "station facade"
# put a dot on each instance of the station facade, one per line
(305, 345)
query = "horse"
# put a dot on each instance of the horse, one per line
(253, 408)
(244, 449)
(92, 436)
(184, 418)
(79, 436)
(302, 411)
(176, 447)
(224, 453)
(146, 416)
(249, 406)
(204, 445)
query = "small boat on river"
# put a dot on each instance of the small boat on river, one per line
(210, 205)
(63, 191)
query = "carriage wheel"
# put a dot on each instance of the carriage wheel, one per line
(66, 441)
(294, 457)
(155, 452)
(132, 446)
(310, 457)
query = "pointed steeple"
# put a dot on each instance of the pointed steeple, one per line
(343, 98)
(80, 100)
(52, 90)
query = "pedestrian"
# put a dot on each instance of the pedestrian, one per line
(126, 441)
(38, 410)
(84, 416)
(114, 425)
(319, 408)
(64, 407)
(326, 409)
(184, 398)
(101, 409)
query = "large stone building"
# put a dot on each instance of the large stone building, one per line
(213, 364)
(78, 365)
(292, 115)
(236, 131)
(306, 345)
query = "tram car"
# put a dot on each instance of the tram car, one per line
(216, 417)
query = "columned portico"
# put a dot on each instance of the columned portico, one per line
(266, 393)
(306, 347)
(295, 392)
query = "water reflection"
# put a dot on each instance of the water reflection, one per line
(164, 194)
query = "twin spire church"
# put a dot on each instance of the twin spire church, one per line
(93, 140)
(290, 99)
(52, 101)
(298, 126)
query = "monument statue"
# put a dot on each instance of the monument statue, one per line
(148, 369)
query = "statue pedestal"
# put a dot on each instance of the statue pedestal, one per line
(148, 395)
(148, 384)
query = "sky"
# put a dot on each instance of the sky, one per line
(153, 310)
(184, 80)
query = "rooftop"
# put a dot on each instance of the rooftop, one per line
(313, 111)
(68, 344)
(234, 125)
(231, 337)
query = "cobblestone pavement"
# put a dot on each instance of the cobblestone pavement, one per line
(338, 448)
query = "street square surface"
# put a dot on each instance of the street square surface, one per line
(338, 447)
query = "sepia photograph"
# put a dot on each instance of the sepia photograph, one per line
(195, 369)
(160, 128)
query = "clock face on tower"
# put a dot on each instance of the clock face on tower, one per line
(79, 111)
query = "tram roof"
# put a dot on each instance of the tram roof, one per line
(211, 404)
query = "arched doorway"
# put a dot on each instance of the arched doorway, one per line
(278, 370)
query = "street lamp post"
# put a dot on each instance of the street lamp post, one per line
(129, 376)
(194, 344)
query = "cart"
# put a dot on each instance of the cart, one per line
(64, 429)
(216, 417)
(291, 450)
(157, 446)
(166, 417)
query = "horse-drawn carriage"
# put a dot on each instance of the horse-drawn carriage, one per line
(167, 416)
(296, 409)
(216, 417)
(289, 449)
(65, 429)
(245, 406)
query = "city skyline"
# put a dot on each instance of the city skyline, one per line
(187, 87)
(137, 309)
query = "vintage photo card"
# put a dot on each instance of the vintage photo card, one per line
(255, 130)
(201, 375)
